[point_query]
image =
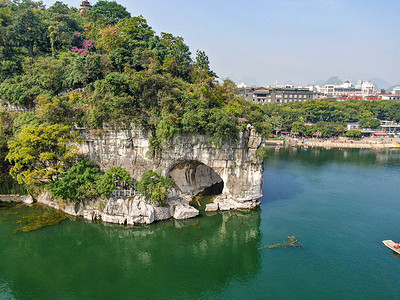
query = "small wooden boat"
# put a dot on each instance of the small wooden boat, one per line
(390, 244)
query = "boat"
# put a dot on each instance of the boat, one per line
(390, 244)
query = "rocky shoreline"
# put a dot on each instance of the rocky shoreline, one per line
(122, 210)
(130, 210)
(26, 199)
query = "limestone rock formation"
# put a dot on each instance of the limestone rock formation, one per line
(233, 171)
(185, 212)
(212, 207)
(190, 160)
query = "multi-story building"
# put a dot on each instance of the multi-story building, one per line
(364, 90)
(279, 95)
(247, 92)
(396, 90)
(391, 97)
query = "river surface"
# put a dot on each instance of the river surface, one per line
(340, 204)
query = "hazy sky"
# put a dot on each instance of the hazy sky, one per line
(299, 41)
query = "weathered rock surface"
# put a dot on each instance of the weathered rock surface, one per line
(212, 207)
(27, 199)
(185, 212)
(190, 160)
(128, 211)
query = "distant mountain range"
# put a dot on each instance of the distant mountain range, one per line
(389, 89)
(381, 83)
(335, 80)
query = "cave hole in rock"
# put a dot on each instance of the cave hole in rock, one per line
(194, 178)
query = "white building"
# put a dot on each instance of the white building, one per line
(345, 90)
(367, 88)
(396, 90)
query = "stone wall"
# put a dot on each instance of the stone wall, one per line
(235, 163)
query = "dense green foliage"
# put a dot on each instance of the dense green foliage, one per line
(113, 179)
(329, 118)
(8, 184)
(353, 134)
(369, 123)
(109, 12)
(108, 69)
(41, 153)
(155, 186)
(6, 132)
(78, 184)
(85, 182)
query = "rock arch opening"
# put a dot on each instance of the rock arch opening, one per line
(193, 178)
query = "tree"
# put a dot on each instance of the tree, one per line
(24, 119)
(202, 63)
(83, 70)
(6, 121)
(53, 110)
(326, 129)
(369, 123)
(340, 127)
(119, 58)
(59, 8)
(310, 130)
(178, 60)
(135, 31)
(78, 184)
(353, 134)
(9, 68)
(30, 32)
(42, 75)
(41, 153)
(155, 186)
(114, 178)
(299, 127)
(108, 11)
(110, 38)
(62, 25)
(276, 123)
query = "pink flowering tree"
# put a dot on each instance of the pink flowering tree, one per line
(83, 46)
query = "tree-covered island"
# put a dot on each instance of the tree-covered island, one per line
(102, 67)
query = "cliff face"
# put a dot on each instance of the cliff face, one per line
(194, 164)
(196, 167)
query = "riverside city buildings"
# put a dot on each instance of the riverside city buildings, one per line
(363, 90)
(276, 94)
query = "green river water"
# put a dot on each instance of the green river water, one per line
(340, 204)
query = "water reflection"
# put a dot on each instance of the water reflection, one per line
(171, 259)
(322, 156)
(5, 291)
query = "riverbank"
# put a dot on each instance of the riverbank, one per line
(27, 199)
(343, 142)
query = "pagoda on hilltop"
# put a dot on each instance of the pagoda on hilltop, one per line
(85, 8)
